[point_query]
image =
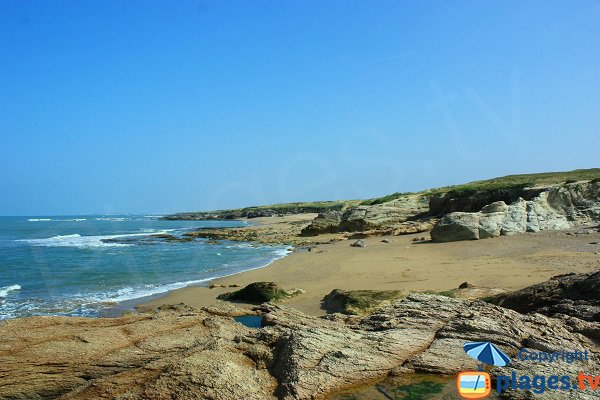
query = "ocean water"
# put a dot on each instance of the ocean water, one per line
(82, 265)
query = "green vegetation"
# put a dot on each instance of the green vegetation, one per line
(385, 199)
(256, 293)
(519, 181)
(357, 302)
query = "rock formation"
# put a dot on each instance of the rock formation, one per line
(327, 222)
(257, 293)
(556, 207)
(178, 352)
(390, 216)
(572, 297)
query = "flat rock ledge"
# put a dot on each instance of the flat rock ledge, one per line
(178, 352)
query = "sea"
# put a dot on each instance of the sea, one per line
(84, 265)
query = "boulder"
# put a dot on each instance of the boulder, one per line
(358, 243)
(327, 222)
(256, 293)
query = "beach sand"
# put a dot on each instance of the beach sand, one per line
(507, 262)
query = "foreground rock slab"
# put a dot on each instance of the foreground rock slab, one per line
(178, 352)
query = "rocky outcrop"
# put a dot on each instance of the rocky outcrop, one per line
(173, 353)
(557, 207)
(257, 293)
(575, 295)
(327, 222)
(178, 352)
(390, 216)
(473, 201)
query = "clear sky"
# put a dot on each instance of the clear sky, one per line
(161, 106)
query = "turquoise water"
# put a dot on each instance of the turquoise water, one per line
(81, 265)
(251, 321)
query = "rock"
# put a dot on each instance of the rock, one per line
(594, 242)
(403, 228)
(552, 208)
(175, 352)
(178, 352)
(358, 243)
(294, 292)
(256, 293)
(456, 226)
(214, 286)
(364, 218)
(385, 241)
(327, 222)
(465, 285)
(577, 295)
(376, 220)
(234, 285)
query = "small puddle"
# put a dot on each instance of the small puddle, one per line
(251, 321)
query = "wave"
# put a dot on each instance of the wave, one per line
(114, 219)
(83, 242)
(39, 219)
(4, 291)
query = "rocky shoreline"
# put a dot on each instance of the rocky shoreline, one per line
(189, 353)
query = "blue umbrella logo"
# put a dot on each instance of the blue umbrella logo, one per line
(487, 353)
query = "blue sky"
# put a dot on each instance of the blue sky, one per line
(161, 106)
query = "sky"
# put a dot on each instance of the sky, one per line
(161, 106)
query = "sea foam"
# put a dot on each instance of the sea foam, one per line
(82, 242)
(5, 290)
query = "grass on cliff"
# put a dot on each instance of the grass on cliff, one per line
(502, 183)
(385, 199)
(521, 181)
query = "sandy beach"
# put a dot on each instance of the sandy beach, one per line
(507, 262)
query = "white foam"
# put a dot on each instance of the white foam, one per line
(79, 241)
(39, 219)
(115, 219)
(4, 291)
